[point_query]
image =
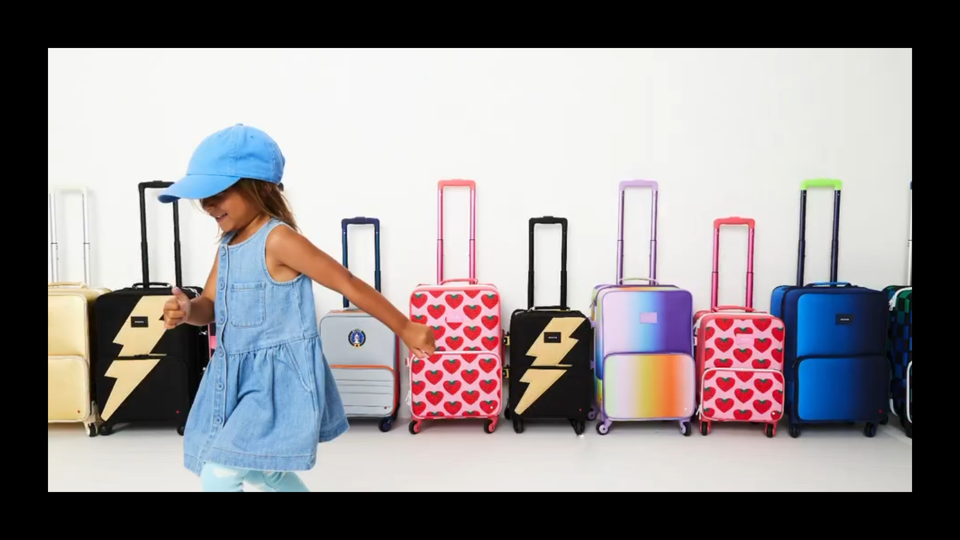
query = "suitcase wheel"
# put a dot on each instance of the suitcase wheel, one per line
(685, 429)
(386, 424)
(180, 430)
(603, 428)
(490, 426)
(869, 430)
(579, 426)
(770, 430)
(794, 430)
(907, 427)
(415, 426)
(704, 428)
(517, 424)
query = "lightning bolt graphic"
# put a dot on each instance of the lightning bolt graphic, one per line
(548, 355)
(136, 340)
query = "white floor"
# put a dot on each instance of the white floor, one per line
(546, 457)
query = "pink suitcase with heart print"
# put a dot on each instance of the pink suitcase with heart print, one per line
(739, 355)
(462, 380)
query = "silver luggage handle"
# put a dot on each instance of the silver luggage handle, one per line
(54, 246)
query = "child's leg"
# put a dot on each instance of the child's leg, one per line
(220, 479)
(277, 482)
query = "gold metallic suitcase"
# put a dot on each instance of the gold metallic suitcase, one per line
(69, 333)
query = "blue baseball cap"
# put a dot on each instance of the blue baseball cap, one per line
(224, 158)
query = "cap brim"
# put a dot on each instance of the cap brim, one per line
(197, 186)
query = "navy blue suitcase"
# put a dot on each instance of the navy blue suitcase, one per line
(835, 362)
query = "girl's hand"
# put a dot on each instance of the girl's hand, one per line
(419, 339)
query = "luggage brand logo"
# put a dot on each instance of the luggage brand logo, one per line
(550, 348)
(357, 338)
(138, 338)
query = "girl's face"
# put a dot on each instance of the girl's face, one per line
(230, 209)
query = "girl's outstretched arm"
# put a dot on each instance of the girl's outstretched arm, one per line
(291, 249)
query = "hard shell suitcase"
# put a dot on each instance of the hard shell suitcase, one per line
(463, 379)
(70, 325)
(363, 353)
(900, 338)
(835, 363)
(739, 355)
(144, 372)
(644, 366)
(550, 353)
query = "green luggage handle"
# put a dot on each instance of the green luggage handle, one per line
(837, 185)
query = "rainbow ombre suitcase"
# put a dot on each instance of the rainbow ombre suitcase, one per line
(644, 366)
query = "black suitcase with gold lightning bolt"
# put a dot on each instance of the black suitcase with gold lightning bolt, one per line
(144, 372)
(550, 352)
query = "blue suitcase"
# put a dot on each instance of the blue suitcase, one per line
(835, 363)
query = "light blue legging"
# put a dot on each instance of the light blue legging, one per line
(220, 479)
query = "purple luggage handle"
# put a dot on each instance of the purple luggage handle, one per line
(653, 225)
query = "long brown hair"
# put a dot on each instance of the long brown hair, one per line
(268, 198)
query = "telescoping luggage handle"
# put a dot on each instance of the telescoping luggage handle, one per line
(910, 241)
(653, 225)
(344, 223)
(549, 220)
(144, 257)
(837, 186)
(715, 280)
(54, 245)
(473, 227)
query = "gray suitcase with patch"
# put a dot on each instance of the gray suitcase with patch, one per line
(362, 352)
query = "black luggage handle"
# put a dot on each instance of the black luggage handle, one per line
(549, 220)
(144, 257)
(360, 220)
(837, 186)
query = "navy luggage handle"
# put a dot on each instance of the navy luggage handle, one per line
(144, 260)
(837, 186)
(360, 220)
(549, 220)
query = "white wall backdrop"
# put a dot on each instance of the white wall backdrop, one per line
(543, 132)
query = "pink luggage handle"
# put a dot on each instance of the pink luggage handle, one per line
(715, 281)
(653, 224)
(473, 225)
(732, 308)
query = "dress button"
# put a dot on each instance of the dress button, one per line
(218, 420)
(219, 386)
(221, 284)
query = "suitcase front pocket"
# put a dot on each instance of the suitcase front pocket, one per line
(742, 395)
(649, 386)
(366, 390)
(842, 388)
(456, 385)
(68, 388)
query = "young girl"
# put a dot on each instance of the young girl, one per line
(268, 397)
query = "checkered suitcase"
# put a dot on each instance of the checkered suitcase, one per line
(900, 339)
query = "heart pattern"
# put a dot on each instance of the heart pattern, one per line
(740, 361)
(463, 379)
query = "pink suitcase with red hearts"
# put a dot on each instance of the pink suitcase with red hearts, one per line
(739, 355)
(463, 379)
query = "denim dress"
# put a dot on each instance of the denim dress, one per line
(268, 397)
